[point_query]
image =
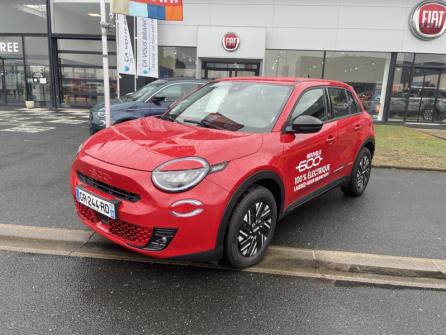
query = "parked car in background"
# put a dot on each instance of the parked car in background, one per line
(152, 99)
(419, 102)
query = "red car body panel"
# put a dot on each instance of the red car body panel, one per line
(125, 155)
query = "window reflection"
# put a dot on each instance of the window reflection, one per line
(294, 63)
(366, 72)
(80, 72)
(177, 62)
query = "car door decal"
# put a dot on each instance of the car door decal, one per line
(310, 170)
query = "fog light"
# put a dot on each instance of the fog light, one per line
(160, 239)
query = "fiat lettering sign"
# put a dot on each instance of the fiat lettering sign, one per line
(427, 20)
(231, 42)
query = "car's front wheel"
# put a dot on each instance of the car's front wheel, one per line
(251, 227)
(360, 175)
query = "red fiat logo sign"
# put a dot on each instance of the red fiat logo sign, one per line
(427, 20)
(231, 42)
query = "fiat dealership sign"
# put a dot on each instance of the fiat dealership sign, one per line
(231, 42)
(427, 20)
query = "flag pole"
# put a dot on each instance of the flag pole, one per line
(135, 41)
(118, 86)
(104, 26)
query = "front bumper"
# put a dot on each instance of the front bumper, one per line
(138, 221)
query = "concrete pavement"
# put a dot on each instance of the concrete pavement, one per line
(322, 264)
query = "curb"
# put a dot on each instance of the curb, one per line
(382, 166)
(321, 264)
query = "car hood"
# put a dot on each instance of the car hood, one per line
(118, 105)
(146, 143)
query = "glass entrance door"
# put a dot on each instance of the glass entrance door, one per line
(427, 96)
(12, 82)
(213, 70)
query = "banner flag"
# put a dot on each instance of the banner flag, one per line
(147, 51)
(125, 58)
(169, 10)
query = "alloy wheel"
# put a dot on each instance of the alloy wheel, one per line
(363, 173)
(255, 229)
(427, 114)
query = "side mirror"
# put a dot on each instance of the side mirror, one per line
(157, 99)
(305, 124)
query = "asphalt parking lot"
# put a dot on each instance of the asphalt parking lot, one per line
(400, 214)
(60, 295)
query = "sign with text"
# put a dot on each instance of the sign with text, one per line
(11, 47)
(125, 58)
(428, 19)
(147, 50)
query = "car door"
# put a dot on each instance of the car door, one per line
(308, 158)
(346, 114)
(161, 100)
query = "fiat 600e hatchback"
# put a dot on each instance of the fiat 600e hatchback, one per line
(210, 178)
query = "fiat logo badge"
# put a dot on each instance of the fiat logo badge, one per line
(231, 42)
(427, 19)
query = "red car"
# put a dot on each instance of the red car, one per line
(210, 178)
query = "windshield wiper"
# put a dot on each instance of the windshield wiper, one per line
(201, 123)
(168, 118)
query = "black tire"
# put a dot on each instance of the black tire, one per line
(360, 174)
(245, 243)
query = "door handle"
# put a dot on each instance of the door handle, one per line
(330, 139)
(357, 127)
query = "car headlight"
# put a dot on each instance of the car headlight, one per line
(180, 174)
(100, 115)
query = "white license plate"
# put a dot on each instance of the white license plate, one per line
(100, 205)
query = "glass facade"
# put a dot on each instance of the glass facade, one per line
(367, 72)
(23, 16)
(58, 63)
(177, 62)
(38, 74)
(80, 72)
(418, 92)
(77, 17)
(294, 63)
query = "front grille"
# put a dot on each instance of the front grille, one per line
(114, 191)
(135, 234)
(131, 233)
(87, 213)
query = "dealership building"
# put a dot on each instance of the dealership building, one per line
(392, 52)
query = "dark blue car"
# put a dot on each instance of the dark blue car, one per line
(152, 99)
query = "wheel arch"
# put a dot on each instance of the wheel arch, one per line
(125, 120)
(369, 143)
(268, 179)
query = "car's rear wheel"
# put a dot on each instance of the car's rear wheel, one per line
(360, 175)
(251, 227)
(428, 112)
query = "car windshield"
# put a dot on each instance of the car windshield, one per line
(145, 92)
(234, 106)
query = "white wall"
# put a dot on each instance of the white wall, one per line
(344, 25)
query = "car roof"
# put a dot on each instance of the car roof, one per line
(179, 79)
(287, 80)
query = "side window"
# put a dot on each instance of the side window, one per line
(339, 102)
(171, 93)
(189, 88)
(353, 105)
(311, 103)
